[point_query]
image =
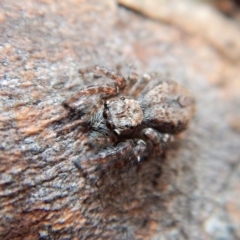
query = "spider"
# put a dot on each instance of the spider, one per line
(123, 128)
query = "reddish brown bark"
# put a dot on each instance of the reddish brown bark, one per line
(191, 193)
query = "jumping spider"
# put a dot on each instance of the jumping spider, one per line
(123, 128)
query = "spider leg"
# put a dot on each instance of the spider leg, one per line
(70, 126)
(157, 139)
(139, 150)
(119, 79)
(105, 90)
(115, 156)
(137, 87)
(131, 79)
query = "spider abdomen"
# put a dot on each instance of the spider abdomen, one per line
(167, 107)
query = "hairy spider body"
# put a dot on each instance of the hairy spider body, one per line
(123, 129)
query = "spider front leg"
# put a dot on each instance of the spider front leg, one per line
(158, 140)
(115, 156)
(105, 90)
(119, 79)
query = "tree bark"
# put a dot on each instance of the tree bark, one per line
(191, 192)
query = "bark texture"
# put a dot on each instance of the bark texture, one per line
(190, 193)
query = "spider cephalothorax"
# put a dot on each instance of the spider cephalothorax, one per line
(123, 114)
(125, 128)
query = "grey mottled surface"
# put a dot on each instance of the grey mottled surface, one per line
(191, 193)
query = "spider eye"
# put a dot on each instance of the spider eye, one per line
(123, 98)
(105, 105)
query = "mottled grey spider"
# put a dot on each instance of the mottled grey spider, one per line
(123, 128)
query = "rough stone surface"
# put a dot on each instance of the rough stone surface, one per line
(191, 193)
